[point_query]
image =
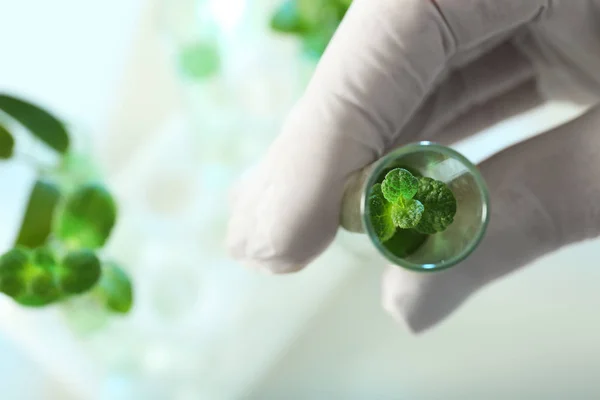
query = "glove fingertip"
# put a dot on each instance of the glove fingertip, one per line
(423, 300)
(396, 303)
(408, 320)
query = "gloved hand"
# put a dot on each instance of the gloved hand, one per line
(398, 71)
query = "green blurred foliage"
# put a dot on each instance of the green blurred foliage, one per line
(37, 221)
(27, 276)
(7, 143)
(67, 220)
(12, 265)
(314, 22)
(200, 60)
(87, 217)
(39, 122)
(78, 272)
(115, 290)
(43, 283)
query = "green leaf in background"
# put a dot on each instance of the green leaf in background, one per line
(324, 19)
(43, 283)
(87, 218)
(7, 143)
(39, 122)
(39, 276)
(37, 221)
(78, 272)
(12, 265)
(28, 276)
(287, 18)
(200, 60)
(315, 43)
(313, 11)
(114, 289)
(313, 21)
(344, 5)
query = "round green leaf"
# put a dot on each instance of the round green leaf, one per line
(7, 143)
(12, 265)
(399, 184)
(440, 206)
(28, 277)
(42, 282)
(87, 218)
(37, 221)
(78, 272)
(44, 258)
(380, 214)
(39, 122)
(115, 290)
(407, 214)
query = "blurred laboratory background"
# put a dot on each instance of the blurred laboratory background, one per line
(172, 100)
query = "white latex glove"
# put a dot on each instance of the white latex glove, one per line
(399, 71)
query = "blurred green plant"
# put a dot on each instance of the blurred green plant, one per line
(313, 21)
(57, 251)
(199, 60)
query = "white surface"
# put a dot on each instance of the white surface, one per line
(61, 53)
(530, 336)
(22, 379)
